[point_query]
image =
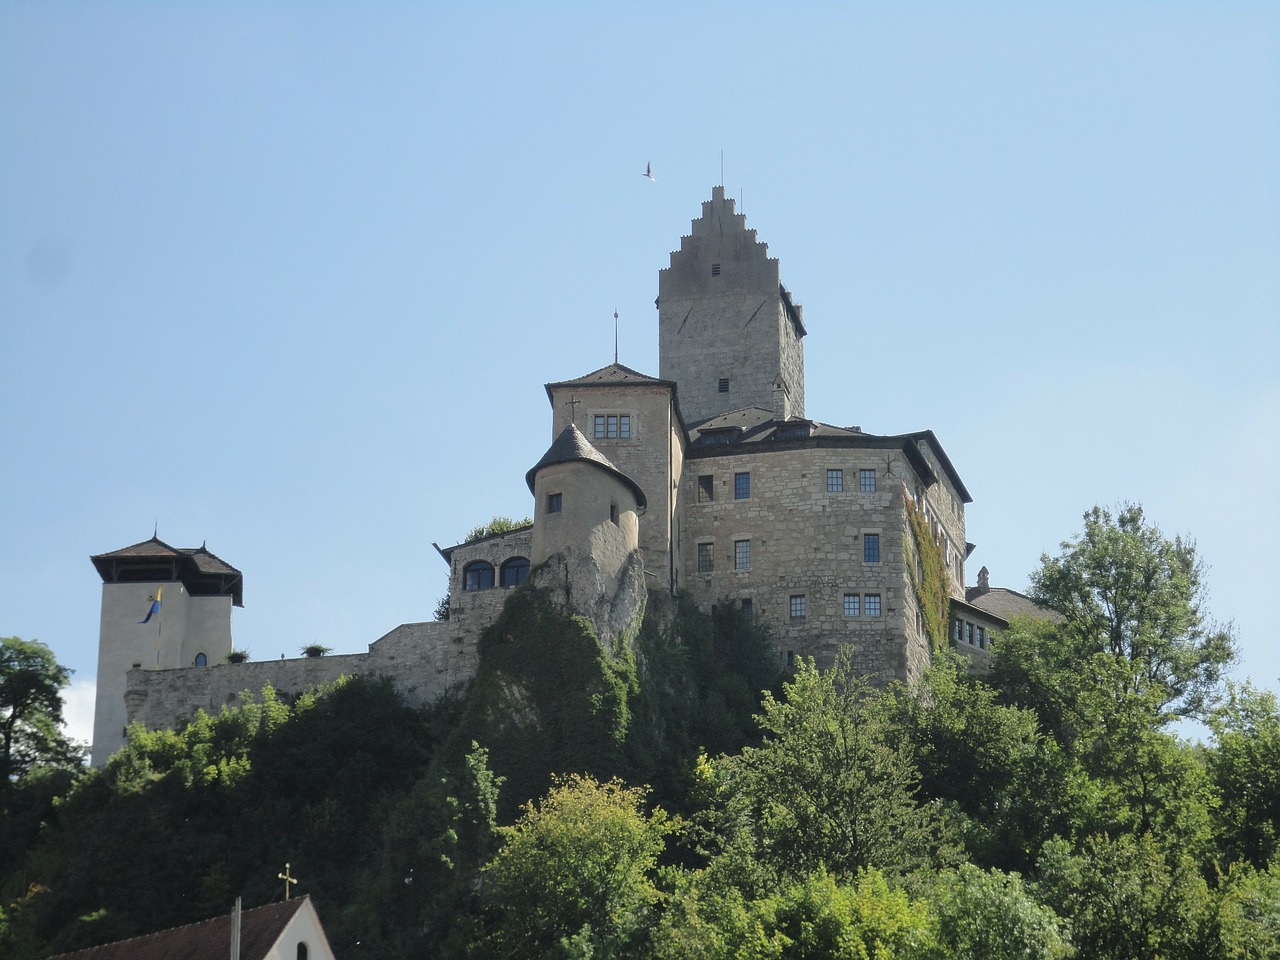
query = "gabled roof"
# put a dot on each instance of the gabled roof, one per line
(447, 552)
(609, 376)
(1006, 604)
(202, 572)
(572, 447)
(260, 928)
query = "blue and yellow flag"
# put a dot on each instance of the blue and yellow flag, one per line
(154, 609)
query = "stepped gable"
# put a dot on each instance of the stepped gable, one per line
(571, 446)
(260, 928)
(202, 572)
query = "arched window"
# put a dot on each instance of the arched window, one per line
(515, 571)
(477, 575)
(303, 952)
(201, 660)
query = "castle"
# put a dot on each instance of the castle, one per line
(709, 479)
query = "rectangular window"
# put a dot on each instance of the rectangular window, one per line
(871, 604)
(835, 481)
(747, 607)
(724, 384)
(742, 554)
(871, 548)
(706, 558)
(867, 481)
(741, 486)
(554, 502)
(706, 488)
(957, 626)
(715, 269)
(982, 638)
(851, 604)
(611, 426)
(968, 633)
(796, 606)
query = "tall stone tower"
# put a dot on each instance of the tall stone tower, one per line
(728, 334)
(162, 607)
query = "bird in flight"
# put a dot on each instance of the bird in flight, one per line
(648, 172)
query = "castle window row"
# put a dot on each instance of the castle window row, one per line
(479, 574)
(973, 634)
(742, 483)
(611, 426)
(706, 561)
(853, 605)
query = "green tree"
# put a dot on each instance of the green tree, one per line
(494, 527)
(31, 735)
(983, 915)
(580, 864)
(1125, 589)
(1245, 768)
(833, 786)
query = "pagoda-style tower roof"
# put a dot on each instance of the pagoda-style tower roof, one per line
(200, 571)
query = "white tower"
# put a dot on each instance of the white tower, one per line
(162, 607)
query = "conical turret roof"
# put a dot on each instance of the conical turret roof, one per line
(571, 446)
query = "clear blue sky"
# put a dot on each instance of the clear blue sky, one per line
(288, 278)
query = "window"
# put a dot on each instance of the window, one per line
(867, 481)
(706, 488)
(982, 638)
(742, 554)
(747, 607)
(514, 572)
(201, 660)
(968, 633)
(302, 954)
(957, 627)
(611, 426)
(724, 384)
(796, 606)
(871, 604)
(835, 481)
(554, 502)
(477, 575)
(741, 486)
(706, 558)
(871, 548)
(715, 269)
(851, 604)
(613, 514)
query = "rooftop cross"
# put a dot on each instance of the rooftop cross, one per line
(287, 880)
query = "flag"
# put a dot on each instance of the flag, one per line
(154, 609)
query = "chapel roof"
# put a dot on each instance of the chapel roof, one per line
(572, 446)
(202, 572)
(260, 928)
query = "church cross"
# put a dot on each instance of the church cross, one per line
(287, 880)
(572, 404)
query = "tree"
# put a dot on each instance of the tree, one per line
(1245, 768)
(31, 682)
(834, 786)
(983, 915)
(494, 527)
(578, 866)
(1126, 590)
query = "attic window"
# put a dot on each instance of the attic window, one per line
(715, 269)
(724, 384)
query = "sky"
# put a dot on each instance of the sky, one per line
(287, 279)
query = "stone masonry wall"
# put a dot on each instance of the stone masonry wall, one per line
(806, 541)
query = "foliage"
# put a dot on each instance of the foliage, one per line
(832, 788)
(812, 917)
(1126, 901)
(580, 864)
(316, 650)
(31, 682)
(1127, 591)
(442, 607)
(1245, 768)
(494, 527)
(927, 569)
(237, 656)
(989, 915)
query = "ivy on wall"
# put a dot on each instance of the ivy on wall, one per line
(928, 573)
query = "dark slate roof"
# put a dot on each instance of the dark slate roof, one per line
(1006, 604)
(612, 375)
(570, 447)
(260, 928)
(202, 572)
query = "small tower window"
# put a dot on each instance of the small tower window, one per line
(201, 660)
(724, 384)
(715, 269)
(555, 502)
